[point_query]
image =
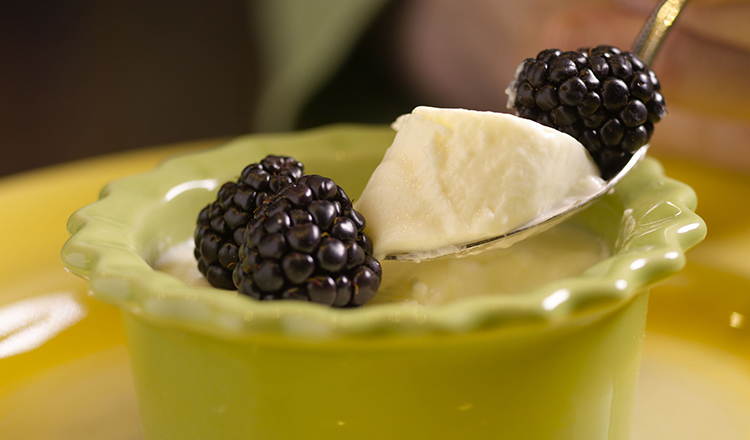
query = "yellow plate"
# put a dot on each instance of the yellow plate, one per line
(64, 370)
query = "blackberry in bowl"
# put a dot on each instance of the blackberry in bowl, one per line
(221, 224)
(214, 363)
(307, 243)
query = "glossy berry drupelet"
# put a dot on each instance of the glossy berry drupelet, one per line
(221, 225)
(306, 243)
(606, 98)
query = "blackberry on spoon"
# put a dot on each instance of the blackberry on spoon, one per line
(555, 88)
(604, 97)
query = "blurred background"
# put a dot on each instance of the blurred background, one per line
(85, 77)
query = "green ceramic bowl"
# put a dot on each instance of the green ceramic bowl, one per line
(558, 362)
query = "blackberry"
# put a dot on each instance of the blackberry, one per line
(306, 243)
(221, 225)
(605, 98)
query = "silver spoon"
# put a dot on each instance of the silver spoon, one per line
(646, 47)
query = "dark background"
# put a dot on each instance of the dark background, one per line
(84, 77)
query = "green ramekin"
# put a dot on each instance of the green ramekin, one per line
(558, 362)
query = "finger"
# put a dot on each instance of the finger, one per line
(704, 76)
(698, 137)
(724, 24)
(577, 27)
(695, 73)
(722, 21)
(648, 5)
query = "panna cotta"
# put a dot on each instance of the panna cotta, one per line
(455, 176)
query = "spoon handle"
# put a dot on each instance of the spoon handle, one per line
(656, 29)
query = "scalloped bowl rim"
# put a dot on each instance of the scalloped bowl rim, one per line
(101, 249)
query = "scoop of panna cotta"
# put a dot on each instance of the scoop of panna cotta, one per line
(455, 176)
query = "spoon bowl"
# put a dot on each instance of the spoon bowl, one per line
(646, 47)
(533, 227)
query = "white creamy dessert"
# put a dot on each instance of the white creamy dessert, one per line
(563, 251)
(455, 176)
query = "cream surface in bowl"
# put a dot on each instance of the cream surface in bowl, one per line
(562, 252)
(557, 361)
